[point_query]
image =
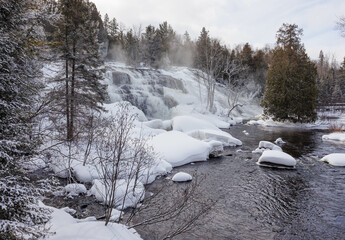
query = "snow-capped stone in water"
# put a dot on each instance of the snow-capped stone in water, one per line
(336, 136)
(217, 148)
(178, 148)
(266, 145)
(182, 177)
(335, 159)
(279, 141)
(74, 189)
(276, 158)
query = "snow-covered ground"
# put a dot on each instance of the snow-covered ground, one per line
(65, 227)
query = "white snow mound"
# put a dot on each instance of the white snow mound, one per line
(336, 136)
(216, 135)
(277, 157)
(266, 145)
(279, 141)
(178, 148)
(182, 177)
(335, 159)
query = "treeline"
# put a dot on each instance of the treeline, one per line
(330, 80)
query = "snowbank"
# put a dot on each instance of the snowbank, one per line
(182, 177)
(131, 198)
(113, 108)
(335, 159)
(217, 135)
(178, 148)
(276, 157)
(64, 227)
(336, 136)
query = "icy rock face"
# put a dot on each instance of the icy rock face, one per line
(165, 93)
(335, 159)
(277, 157)
(182, 177)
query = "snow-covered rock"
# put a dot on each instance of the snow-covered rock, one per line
(266, 145)
(85, 173)
(64, 227)
(182, 177)
(279, 141)
(131, 198)
(113, 108)
(276, 157)
(217, 148)
(178, 148)
(159, 124)
(217, 135)
(74, 189)
(335, 159)
(336, 136)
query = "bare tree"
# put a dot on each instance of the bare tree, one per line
(124, 160)
(180, 214)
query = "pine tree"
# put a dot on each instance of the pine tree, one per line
(152, 47)
(80, 89)
(290, 87)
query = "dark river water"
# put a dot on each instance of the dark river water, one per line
(254, 202)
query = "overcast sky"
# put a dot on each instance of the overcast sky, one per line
(239, 21)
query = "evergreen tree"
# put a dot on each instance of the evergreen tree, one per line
(152, 47)
(20, 41)
(291, 87)
(80, 89)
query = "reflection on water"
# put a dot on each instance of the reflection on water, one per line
(265, 203)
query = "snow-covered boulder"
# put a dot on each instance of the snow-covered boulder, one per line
(182, 177)
(132, 198)
(217, 135)
(74, 189)
(277, 158)
(266, 145)
(335, 159)
(85, 174)
(279, 141)
(217, 148)
(178, 148)
(336, 136)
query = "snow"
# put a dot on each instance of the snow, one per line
(159, 124)
(178, 148)
(182, 177)
(113, 108)
(131, 198)
(74, 189)
(279, 141)
(216, 147)
(188, 123)
(63, 226)
(336, 136)
(277, 157)
(335, 159)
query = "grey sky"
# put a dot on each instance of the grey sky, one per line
(239, 21)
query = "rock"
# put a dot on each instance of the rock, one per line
(182, 177)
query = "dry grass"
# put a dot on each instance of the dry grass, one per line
(336, 127)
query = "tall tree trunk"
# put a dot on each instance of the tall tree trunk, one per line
(67, 95)
(73, 91)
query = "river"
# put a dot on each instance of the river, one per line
(255, 202)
